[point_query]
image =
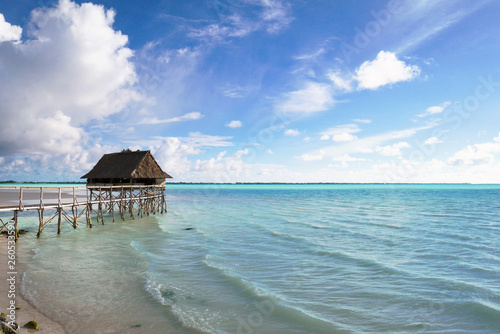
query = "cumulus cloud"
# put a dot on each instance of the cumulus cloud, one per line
(340, 82)
(73, 68)
(192, 116)
(433, 141)
(234, 124)
(476, 154)
(175, 154)
(435, 109)
(384, 70)
(363, 121)
(392, 150)
(341, 133)
(8, 32)
(313, 156)
(314, 97)
(345, 159)
(292, 132)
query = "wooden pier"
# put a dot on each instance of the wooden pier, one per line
(70, 204)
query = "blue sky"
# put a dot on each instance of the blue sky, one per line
(253, 90)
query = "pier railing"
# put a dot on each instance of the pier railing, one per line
(71, 203)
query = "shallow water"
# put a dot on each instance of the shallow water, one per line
(279, 259)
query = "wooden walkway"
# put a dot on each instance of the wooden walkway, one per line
(69, 204)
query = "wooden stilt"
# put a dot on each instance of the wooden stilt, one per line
(87, 214)
(122, 209)
(16, 231)
(21, 199)
(131, 203)
(59, 220)
(100, 206)
(59, 212)
(40, 223)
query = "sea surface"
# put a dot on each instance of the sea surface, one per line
(278, 259)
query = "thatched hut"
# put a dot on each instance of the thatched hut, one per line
(126, 168)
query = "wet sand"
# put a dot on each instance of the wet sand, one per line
(27, 312)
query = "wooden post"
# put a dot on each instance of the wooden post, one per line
(100, 206)
(121, 206)
(112, 204)
(40, 215)
(141, 194)
(131, 203)
(21, 199)
(75, 210)
(41, 197)
(59, 209)
(40, 222)
(89, 221)
(16, 231)
(91, 193)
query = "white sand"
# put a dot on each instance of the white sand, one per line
(27, 312)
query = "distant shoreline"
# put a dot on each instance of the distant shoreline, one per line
(265, 183)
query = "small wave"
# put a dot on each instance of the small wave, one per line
(364, 262)
(160, 292)
(398, 227)
(37, 253)
(237, 280)
(317, 226)
(308, 319)
(28, 294)
(201, 320)
(487, 310)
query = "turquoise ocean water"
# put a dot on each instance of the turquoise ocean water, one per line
(278, 259)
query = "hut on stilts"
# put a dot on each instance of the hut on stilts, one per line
(126, 181)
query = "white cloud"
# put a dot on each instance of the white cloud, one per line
(341, 133)
(392, 150)
(186, 117)
(74, 68)
(386, 69)
(420, 20)
(313, 156)
(340, 82)
(363, 121)
(198, 139)
(234, 124)
(273, 17)
(268, 151)
(314, 97)
(477, 154)
(325, 137)
(292, 132)
(240, 153)
(345, 159)
(174, 153)
(8, 32)
(371, 143)
(433, 141)
(310, 56)
(435, 109)
(237, 91)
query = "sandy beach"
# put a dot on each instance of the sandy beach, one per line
(27, 312)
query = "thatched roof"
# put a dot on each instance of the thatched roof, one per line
(127, 164)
